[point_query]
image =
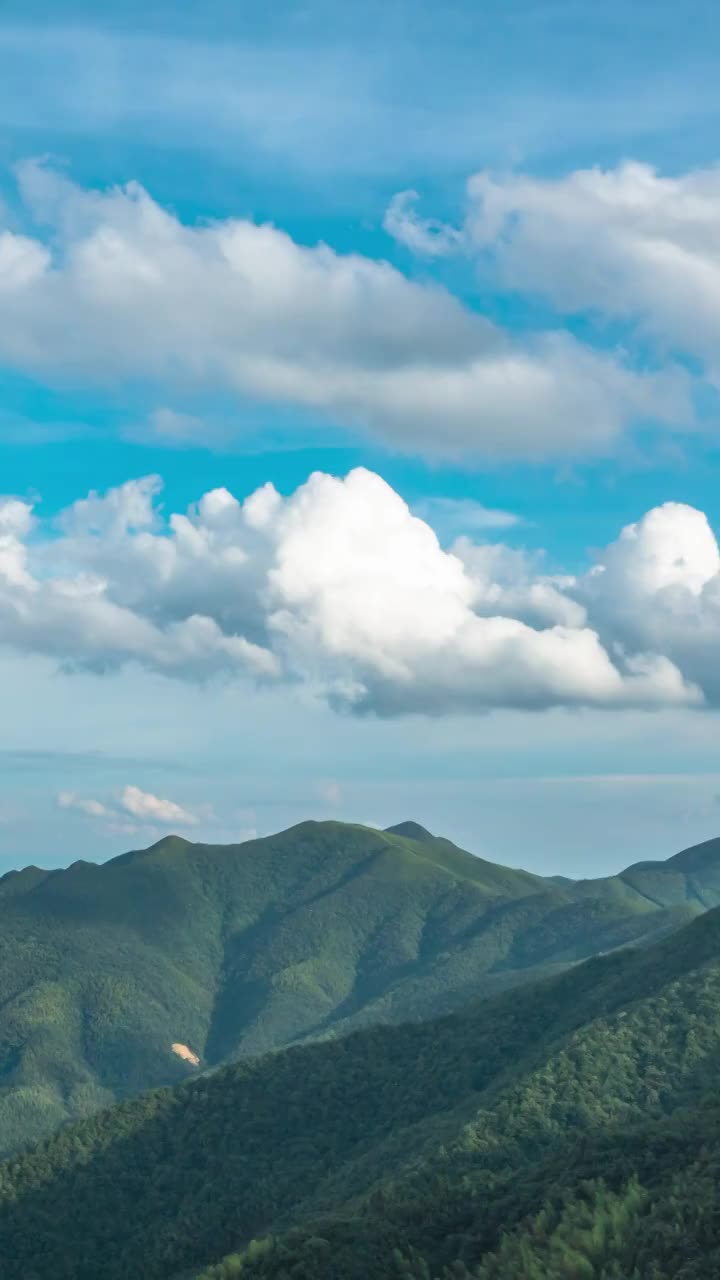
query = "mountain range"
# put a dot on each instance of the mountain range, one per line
(174, 960)
(569, 1129)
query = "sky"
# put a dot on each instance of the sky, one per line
(359, 425)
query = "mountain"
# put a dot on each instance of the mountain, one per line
(119, 977)
(568, 1129)
(690, 877)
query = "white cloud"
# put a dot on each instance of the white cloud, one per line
(150, 808)
(168, 427)
(129, 292)
(425, 236)
(658, 587)
(143, 806)
(465, 514)
(341, 588)
(80, 609)
(625, 243)
(93, 808)
(397, 623)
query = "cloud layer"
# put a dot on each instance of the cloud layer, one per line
(341, 589)
(117, 289)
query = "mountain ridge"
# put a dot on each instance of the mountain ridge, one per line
(699, 853)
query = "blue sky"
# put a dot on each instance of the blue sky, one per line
(550, 357)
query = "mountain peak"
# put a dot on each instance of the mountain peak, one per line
(167, 844)
(698, 855)
(411, 831)
(171, 841)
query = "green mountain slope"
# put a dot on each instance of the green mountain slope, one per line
(568, 1129)
(691, 877)
(236, 950)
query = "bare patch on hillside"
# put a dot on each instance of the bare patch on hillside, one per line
(186, 1054)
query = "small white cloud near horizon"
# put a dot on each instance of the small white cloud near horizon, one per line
(155, 809)
(93, 808)
(147, 810)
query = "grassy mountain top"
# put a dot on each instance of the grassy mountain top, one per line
(570, 1129)
(13, 882)
(412, 830)
(240, 949)
(700, 857)
(689, 877)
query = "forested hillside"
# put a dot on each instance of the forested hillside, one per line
(571, 1128)
(230, 951)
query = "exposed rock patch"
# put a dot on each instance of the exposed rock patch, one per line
(186, 1054)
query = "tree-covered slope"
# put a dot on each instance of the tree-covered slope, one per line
(240, 949)
(227, 950)
(569, 1129)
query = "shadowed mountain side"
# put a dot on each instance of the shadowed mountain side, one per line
(571, 1129)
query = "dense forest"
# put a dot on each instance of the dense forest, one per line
(568, 1129)
(234, 951)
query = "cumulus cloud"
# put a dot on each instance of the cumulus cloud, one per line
(81, 607)
(142, 806)
(625, 243)
(658, 587)
(128, 291)
(340, 588)
(150, 808)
